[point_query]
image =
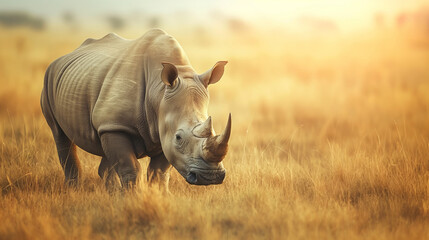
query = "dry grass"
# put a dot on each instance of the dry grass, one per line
(330, 141)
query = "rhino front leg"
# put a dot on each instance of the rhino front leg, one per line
(107, 172)
(119, 152)
(158, 172)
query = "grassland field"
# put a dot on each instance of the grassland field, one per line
(330, 141)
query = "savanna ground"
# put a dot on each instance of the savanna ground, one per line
(330, 141)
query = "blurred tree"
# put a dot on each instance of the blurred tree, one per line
(379, 20)
(68, 17)
(154, 22)
(115, 22)
(237, 25)
(70, 20)
(417, 20)
(318, 25)
(21, 19)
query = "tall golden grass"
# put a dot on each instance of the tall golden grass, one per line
(330, 141)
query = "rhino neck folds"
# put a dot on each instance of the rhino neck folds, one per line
(173, 90)
(148, 130)
(147, 125)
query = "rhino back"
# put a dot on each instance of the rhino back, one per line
(75, 83)
(111, 84)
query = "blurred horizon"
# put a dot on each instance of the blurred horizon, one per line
(293, 15)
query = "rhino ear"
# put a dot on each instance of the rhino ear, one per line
(213, 75)
(169, 74)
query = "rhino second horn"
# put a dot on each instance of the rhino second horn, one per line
(216, 147)
(205, 129)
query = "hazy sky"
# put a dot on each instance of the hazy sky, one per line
(347, 13)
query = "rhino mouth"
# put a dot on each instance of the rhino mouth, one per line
(191, 178)
(205, 176)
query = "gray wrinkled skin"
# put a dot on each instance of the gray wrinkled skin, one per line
(126, 99)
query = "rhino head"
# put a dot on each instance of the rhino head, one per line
(186, 132)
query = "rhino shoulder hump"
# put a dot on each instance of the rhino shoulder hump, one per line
(88, 41)
(156, 31)
(109, 37)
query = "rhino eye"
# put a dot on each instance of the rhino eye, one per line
(180, 142)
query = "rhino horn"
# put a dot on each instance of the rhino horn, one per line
(204, 129)
(216, 147)
(224, 138)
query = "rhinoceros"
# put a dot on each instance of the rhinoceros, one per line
(127, 99)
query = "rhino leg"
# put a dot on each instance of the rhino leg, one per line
(158, 172)
(119, 152)
(107, 172)
(68, 158)
(65, 147)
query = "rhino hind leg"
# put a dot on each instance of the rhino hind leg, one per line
(107, 172)
(65, 147)
(158, 172)
(119, 152)
(68, 159)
